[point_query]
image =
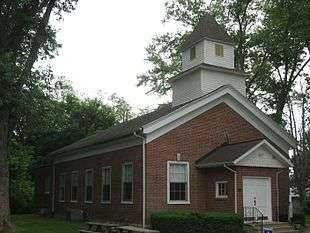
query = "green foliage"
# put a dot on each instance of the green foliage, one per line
(299, 219)
(163, 52)
(187, 222)
(21, 186)
(307, 205)
(272, 45)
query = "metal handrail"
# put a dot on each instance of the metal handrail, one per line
(254, 215)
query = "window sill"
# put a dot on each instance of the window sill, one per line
(73, 201)
(221, 197)
(178, 202)
(127, 202)
(61, 201)
(88, 202)
(106, 202)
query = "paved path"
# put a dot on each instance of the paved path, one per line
(307, 230)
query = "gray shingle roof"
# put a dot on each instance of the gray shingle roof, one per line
(206, 66)
(226, 153)
(117, 131)
(207, 27)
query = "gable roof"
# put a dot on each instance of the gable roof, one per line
(206, 66)
(117, 131)
(207, 28)
(232, 154)
(167, 117)
(226, 153)
(234, 99)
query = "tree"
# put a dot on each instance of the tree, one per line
(122, 110)
(271, 38)
(26, 36)
(287, 51)
(299, 122)
(163, 52)
(50, 123)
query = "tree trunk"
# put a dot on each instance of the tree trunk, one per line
(4, 171)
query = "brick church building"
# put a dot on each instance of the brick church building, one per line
(209, 150)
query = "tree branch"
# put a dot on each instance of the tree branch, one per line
(37, 41)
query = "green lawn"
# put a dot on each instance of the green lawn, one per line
(308, 220)
(36, 224)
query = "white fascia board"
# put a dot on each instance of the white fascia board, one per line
(271, 147)
(232, 98)
(264, 117)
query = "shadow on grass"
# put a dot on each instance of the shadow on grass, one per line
(37, 224)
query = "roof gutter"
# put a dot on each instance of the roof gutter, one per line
(143, 174)
(235, 180)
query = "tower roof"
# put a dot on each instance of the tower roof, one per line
(207, 28)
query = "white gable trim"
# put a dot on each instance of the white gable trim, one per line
(232, 98)
(271, 147)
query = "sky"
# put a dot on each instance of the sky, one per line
(103, 47)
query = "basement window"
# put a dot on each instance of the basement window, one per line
(221, 189)
(106, 185)
(192, 53)
(219, 50)
(89, 176)
(178, 182)
(127, 183)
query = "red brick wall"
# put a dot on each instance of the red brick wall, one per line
(212, 203)
(192, 140)
(114, 211)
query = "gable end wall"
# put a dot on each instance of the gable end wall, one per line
(192, 140)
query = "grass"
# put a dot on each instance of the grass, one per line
(36, 224)
(308, 220)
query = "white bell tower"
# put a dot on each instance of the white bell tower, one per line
(207, 63)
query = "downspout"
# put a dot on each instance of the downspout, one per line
(278, 193)
(53, 189)
(143, 176)
(236, 192)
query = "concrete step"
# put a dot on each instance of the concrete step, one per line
(286, 231)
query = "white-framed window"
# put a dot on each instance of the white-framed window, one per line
(178, 182)
(106, 185)
(74, 186)
(219, 50)
(89, 177)
(221, 189)
(62, 186)
(47, 185)
(192, 53)
(127, 183)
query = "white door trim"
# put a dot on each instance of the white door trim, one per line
(269, 192)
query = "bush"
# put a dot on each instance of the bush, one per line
(307, 205)
(299, 219)
(187, 222)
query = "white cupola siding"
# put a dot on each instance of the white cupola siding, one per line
(207, 63)
(205, 53)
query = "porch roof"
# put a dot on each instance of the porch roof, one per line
(226, 153)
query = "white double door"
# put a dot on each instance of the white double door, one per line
(257, 193)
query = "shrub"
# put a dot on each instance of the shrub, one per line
(187, 222)
(307, 205)
(299, 218)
